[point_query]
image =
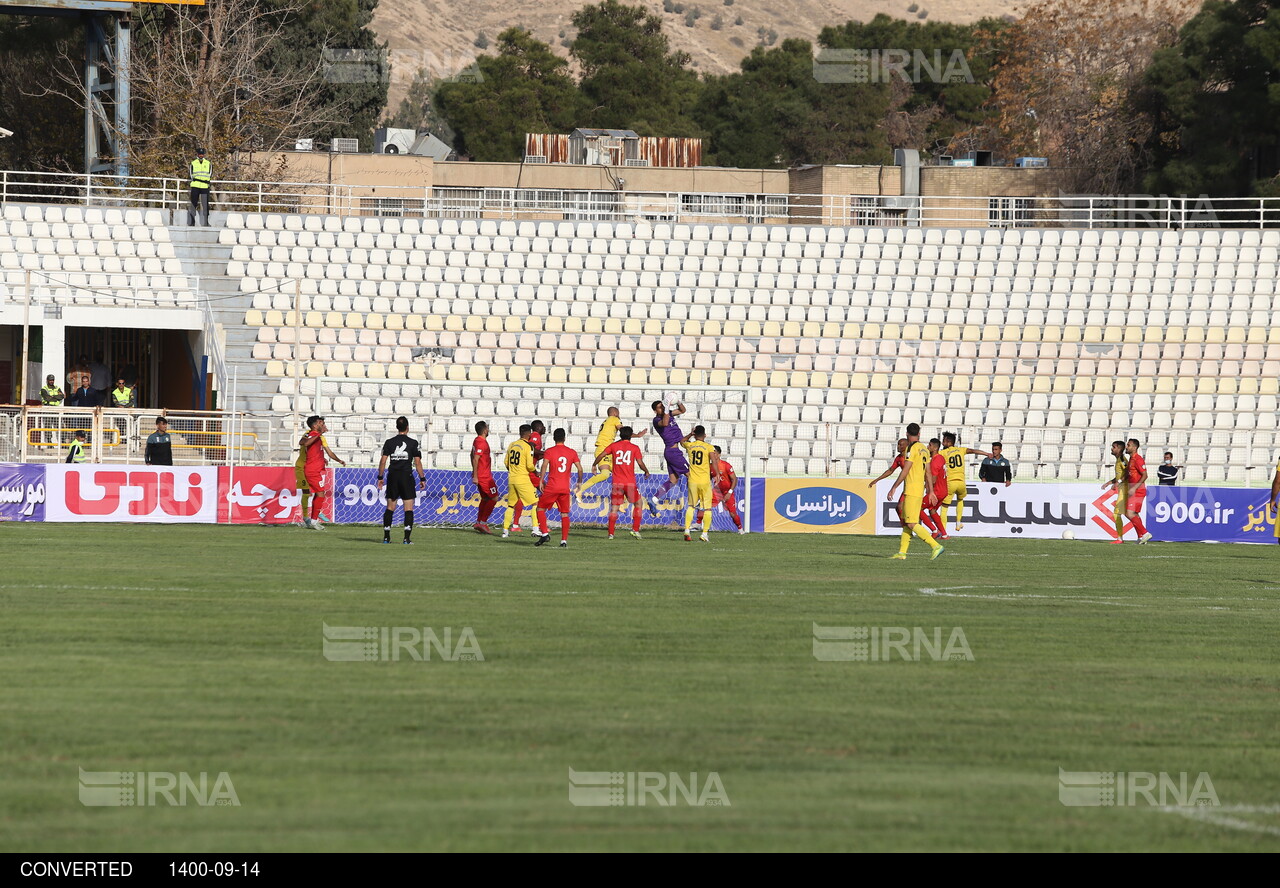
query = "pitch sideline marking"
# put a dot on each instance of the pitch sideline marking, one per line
(1212, 815)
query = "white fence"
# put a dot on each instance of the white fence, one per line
(318, 198)
(44, 434)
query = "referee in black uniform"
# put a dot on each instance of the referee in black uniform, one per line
(405, 456)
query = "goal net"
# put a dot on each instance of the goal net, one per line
(442, 416)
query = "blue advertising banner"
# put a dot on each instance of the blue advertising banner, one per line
(22, 492)
(451, 498)
(1217, 514)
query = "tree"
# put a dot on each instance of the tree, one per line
(1066, 85)
(525, 88)
(201, 77)
(48, 130)
(947, 75)
(352, 94)
(419, 109)
(630, 77)
(1214, 99)
(776, 113)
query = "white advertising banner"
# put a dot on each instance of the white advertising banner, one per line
(1044, 511)
(151, 494)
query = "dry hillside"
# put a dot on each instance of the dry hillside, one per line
(441, 35)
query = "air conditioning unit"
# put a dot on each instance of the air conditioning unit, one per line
(1031, 163)
(636, 162)
(535, 158)
(304, 145)
(345, 146)
(391, 140)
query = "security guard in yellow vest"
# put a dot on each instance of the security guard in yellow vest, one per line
(201, 182)
(51, 394)
(122, 396)
(76, 453)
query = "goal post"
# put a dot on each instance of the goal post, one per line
(442, 415)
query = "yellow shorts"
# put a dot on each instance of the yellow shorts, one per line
(1122, 502)
(955, 490)
(606, 464)
(521, 491)
(700, 495)
(300, 476)
(911, 509)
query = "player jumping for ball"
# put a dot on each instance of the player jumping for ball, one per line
(608, 431)
(665, 424)
(956, 488)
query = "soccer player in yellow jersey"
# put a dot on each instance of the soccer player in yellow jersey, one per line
(1120, 484)
(520, 487)
(954, 456)
(917, 493)
(608, 431)
(702, 463)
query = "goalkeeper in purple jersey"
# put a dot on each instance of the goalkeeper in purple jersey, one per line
(664, 424)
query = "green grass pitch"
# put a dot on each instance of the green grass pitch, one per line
(199, 649)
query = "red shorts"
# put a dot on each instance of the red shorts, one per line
(555, 501)
(719, 496)
(1136, 498)
(318, 482)
(535, 479)
(941, 493)
(624, 492)
(488, 490)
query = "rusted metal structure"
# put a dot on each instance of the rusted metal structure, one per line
(608, 147)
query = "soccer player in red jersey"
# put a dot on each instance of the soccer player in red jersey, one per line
(313, 468)
(535, 441)
(482, 477)
(723, 490)
(559, 463)
(626, 456)
(938, 477)
(895, 466)
(1137, 489)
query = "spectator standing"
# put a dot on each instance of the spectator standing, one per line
(1167, 471)
(995, 468)
(159, 447)
(99, 379)
(122, 396)
(83, 395)
(51, 395)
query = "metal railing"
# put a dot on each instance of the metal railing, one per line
(566, 204)
(43, 434)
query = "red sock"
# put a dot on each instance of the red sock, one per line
(564, 527)
(927, 521)
(613, 522)
(937, 520)
(542, 520)
(316, 503)
(1137, 522)
(515, 516)
(635, 518)
(697, 517)
(485, 510)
